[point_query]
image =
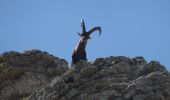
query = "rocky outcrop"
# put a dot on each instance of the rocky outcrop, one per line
(23, 73)
(112, 78)
(37, 75)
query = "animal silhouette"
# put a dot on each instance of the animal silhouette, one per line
(79, 52)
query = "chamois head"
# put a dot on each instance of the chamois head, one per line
(86, 35)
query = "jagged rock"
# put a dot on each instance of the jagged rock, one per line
(112, 78)
(23, 73)
(37, 75)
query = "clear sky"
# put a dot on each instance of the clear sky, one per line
(130, 27)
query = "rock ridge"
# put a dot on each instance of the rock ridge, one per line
(111, 78)
(38, 75)
(23, 73)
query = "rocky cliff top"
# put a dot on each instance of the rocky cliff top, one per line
(23, 73)
(36, 75)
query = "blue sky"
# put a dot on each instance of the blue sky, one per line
(130, 27)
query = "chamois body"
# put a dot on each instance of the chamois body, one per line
(79, 53)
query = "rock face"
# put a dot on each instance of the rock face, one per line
(23, 73)
(37, 75)
(112, 78)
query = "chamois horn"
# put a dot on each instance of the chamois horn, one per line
(95, 29)
(83, 26)
(90, 31)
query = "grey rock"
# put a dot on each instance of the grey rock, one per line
(37, 75)
(112, 78)
(23, 73)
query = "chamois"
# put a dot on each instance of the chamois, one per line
(79, 53)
